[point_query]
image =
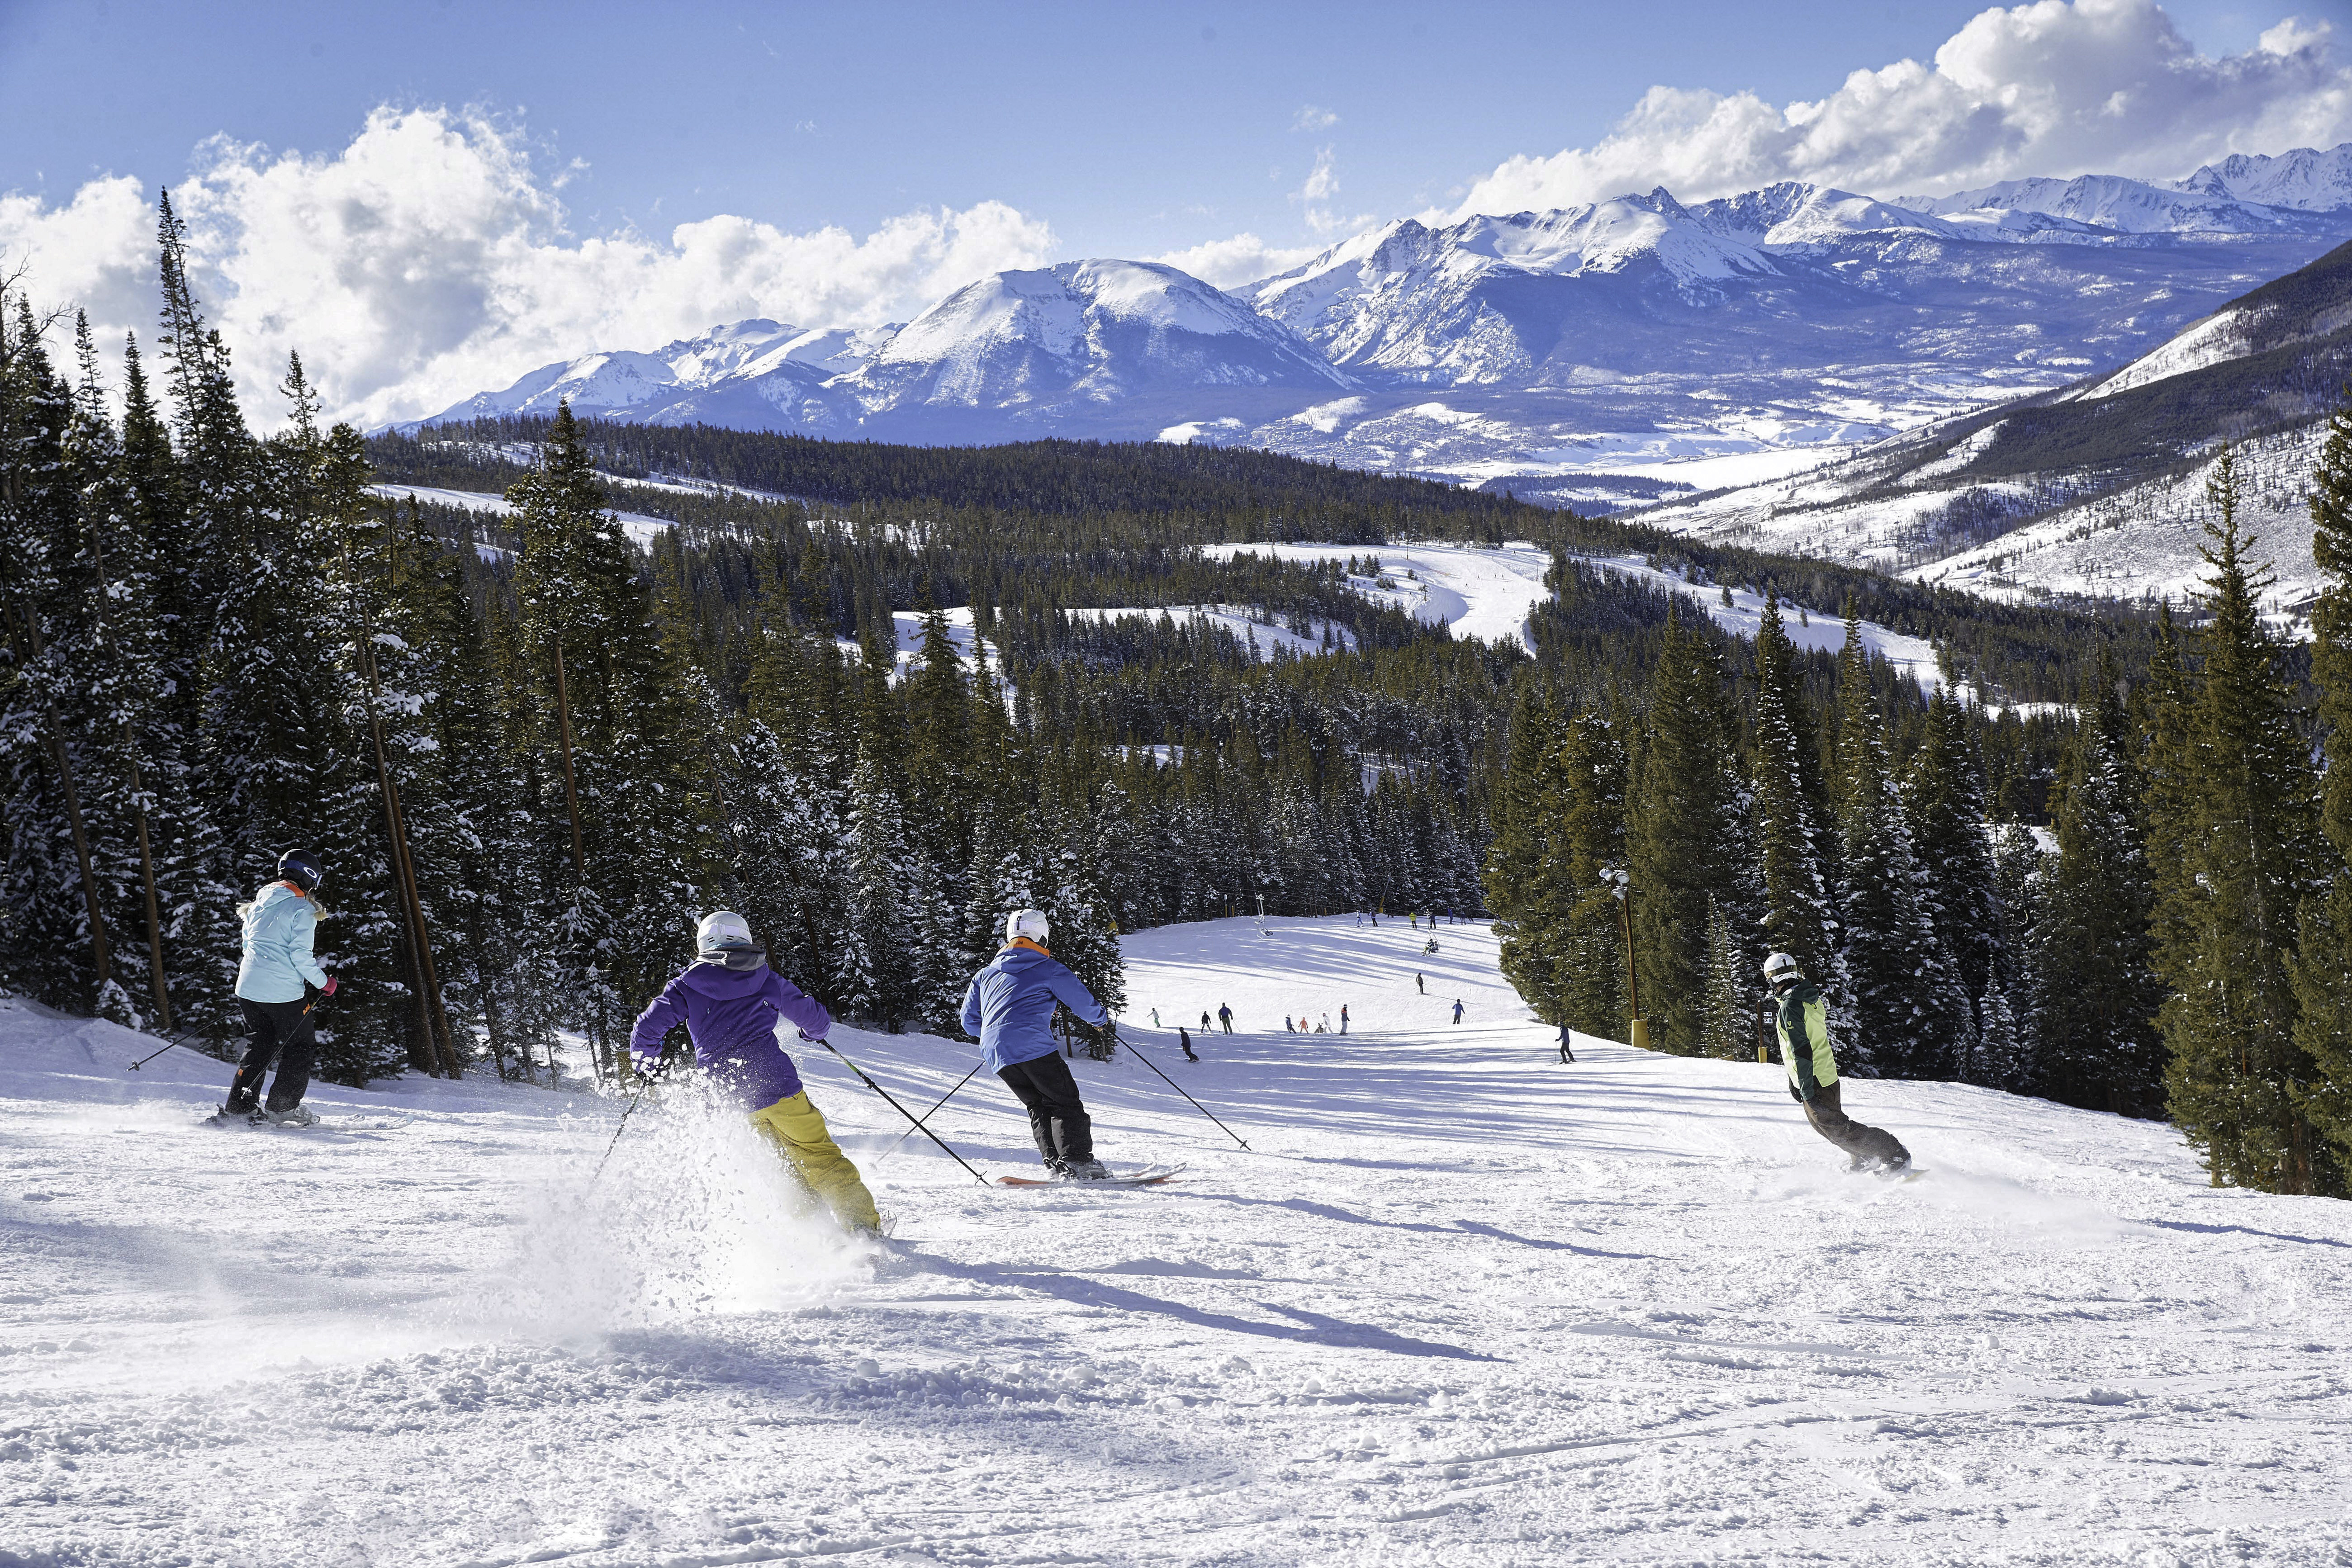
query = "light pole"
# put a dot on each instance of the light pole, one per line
(1620, 885)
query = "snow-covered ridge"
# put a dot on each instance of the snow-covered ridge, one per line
(1531, 344)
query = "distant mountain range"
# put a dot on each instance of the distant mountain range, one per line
(1601, 354)
(2096, 488)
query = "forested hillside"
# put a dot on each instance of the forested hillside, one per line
(531, 750)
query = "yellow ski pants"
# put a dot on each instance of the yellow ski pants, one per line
(797, 1130)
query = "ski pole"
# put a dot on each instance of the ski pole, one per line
(644, 1082)
(934, 1111)
(179, 1040)
(1138, 1054)
(901, 1109)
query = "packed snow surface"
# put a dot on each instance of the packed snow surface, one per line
(1251, 624)
(1480, 593)
(635, 524)
(1457, 1304)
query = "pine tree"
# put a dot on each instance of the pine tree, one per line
(2322, 969)
(2247, 825)
(1945, 805)
(54, 943)
(1686, 834)
(1906, 1020)
(1526, 880)
(1724, 1024)
(1591, 836)
(1800, 915)
(636, 818)
(2012, 1055)
(2095, 996)
(874, 976)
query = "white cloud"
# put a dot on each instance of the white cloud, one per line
(1314, 198)
(1243, 258)
(2052, 87)
(1312, 118)
(428, 259)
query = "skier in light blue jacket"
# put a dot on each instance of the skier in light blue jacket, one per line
(272, 979)
(1010, 1006)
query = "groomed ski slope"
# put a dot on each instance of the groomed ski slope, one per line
(1459, 1305)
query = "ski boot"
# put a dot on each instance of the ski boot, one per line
(292, 1116)
(1086, 1171)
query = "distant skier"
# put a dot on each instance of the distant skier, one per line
(1225, 1016)
(1206, 1026)
(1155, 1017)
(1185, 1041)
(278, 927)
(1802, 1021)
(1457, 1009)
(1009, 1005)
(1419, 985)
(1567, 1056)
(732, 1005)
(1343, 1017)
(1323, 1026)
(1285, 1025)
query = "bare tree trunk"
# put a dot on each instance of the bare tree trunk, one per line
(147, 878)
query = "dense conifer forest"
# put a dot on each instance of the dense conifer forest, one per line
(532, 747)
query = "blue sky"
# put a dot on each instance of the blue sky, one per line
(1134, 128)
(432, 198)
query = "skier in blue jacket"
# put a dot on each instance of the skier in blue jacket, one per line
(1010, 1006)
(272, 981)
(734, 1006)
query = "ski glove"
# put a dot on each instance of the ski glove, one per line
(1795, 1096)
(329, 988)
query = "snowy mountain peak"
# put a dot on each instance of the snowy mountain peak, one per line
(2304, 180)
(1087, 329)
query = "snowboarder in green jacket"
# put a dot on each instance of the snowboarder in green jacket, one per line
(1802, 1022)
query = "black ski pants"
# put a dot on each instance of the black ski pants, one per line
(1058, 1119)
(282, 1031)
(1867, 1145)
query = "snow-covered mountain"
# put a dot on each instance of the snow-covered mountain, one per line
(2096, 488)
(755, 374)
(1042, 349)
(1608, 349)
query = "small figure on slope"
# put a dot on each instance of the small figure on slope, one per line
(1457, 1009)
(1010, 1006)
(1567, 1056)
(1185, 1040)
(730, 1003)
(1224, 1013)
(1802, 1024)
(279, 926)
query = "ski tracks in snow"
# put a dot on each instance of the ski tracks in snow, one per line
(1462, 1306)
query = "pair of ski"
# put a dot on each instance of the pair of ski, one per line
(227, 1119)
(1146, 1176)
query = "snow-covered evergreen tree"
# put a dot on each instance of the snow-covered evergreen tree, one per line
(2241, 804)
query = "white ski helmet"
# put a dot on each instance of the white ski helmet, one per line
(1778, 967)
(721, 932)
(1029, 924)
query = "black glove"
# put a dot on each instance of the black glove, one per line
(1795, 1096)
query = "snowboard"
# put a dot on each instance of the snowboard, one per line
(1149, 1176)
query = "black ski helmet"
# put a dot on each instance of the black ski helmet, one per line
(301, 868)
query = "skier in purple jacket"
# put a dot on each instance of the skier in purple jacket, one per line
(733, 1006)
